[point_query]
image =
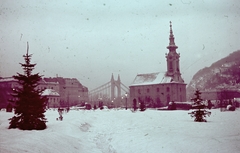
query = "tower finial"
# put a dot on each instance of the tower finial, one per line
(171, 33)
(171, 38)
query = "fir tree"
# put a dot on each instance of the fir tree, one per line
(29, 104)
(199, 112)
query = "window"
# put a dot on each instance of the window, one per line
(168, 89)
(170, 65)
(148, 90)
(139, 91)
(158, 90)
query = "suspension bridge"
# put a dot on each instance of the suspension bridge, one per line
(113, 93)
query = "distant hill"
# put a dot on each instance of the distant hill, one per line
(225, 73)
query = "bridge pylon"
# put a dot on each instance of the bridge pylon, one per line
(110, 92)
(115, 84)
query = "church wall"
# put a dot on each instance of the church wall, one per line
(149, 94)
(158, 95)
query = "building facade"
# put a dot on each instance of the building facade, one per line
(7, 85)
(220, 94)
(158, 89)
(71, 91)
(53, 98)
(67, 91)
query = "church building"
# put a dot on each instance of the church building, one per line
(160, 88)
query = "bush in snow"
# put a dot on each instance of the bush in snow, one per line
(171, 106)
(230, 108)
(142, 106)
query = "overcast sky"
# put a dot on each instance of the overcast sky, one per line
(91, 39)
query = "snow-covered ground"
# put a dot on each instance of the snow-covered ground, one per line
(121, 131)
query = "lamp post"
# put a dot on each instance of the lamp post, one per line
(126, 99)
(122, 102)
(79, 99)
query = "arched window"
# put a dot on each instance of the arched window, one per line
(168, 98)
(168, 89)
(170, 65)
(139, 91)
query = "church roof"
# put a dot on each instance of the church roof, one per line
(151, 78)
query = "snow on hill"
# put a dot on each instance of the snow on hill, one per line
(222, 73)
(121, 131)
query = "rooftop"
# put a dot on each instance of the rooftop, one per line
(152, 79)
(50, 92)
(7, 79)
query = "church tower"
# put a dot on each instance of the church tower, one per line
(147, 87)
(172, 57)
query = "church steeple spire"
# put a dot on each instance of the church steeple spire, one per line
(173, 67)
(172, 45)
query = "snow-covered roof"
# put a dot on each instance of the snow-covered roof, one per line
(151, 78)
(43, 80)
(50, 92)
(7, 79)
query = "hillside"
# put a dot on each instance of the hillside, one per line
(225, 73)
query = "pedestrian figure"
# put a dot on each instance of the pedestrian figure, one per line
(209, 104)
(134, 104)
(9, 108)
(94, 107)
(60, 111)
